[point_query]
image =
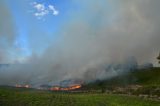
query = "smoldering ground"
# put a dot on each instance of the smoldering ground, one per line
(100, 33)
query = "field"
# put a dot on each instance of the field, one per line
(21, 97)
(148, 79)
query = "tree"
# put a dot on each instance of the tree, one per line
(158, 58)
(102, 85)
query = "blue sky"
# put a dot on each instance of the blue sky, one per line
(34, 34)
(37, 28)
(37, 24)
(32, 26)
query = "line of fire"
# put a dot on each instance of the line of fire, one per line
(66, 85)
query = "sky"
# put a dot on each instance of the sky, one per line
(33, 28)
(36, 24)
(52, 40)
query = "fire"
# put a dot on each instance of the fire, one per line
(26, 86)
(71, 87)
(22, 86)
(55, 88)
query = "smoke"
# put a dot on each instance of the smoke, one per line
(7, 32)
(102, 33)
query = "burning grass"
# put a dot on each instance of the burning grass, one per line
(22, 86)
(69, 88)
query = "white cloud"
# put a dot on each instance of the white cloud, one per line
(42, 13)
(39, 7)
(42, 10)
(54, 11)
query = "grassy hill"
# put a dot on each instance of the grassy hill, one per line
(145, 77)
(145, 81)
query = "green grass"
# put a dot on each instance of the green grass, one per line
(20, 97)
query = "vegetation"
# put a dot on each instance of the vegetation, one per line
(20, 97)
(138, 82)
(144, 77)
(158, 58)
(137, 88)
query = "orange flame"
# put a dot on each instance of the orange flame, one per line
(71, 87)
(55, 88)
(22, 86)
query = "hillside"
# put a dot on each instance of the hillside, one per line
(138, 82)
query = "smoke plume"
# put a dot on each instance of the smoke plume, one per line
(7, 32)
(97, 36)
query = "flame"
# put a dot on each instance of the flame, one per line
(71, 87)
(22, 86)
(26, 86)
(55, 88)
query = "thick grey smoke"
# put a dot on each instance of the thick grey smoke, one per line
(103, 32)
(7, 32)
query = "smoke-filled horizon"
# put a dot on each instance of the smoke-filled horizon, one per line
(92, 35)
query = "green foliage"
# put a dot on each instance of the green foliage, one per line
(158, 58)
(12, 97)
(138, 82)
(145, 77)
(151, 90)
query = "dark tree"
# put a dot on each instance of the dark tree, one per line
(102, 85)
(158, 58)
